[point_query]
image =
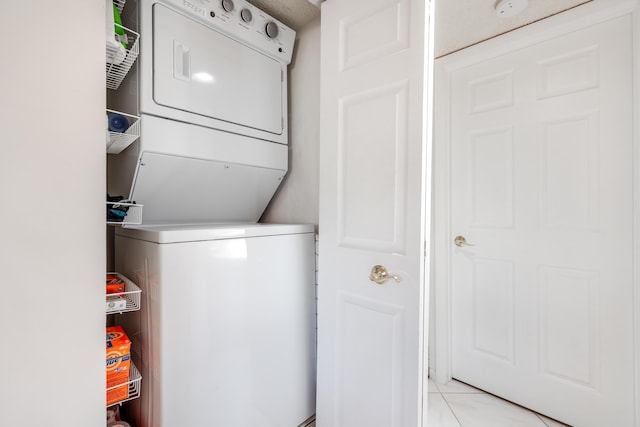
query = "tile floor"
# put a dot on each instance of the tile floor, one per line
(459, 405)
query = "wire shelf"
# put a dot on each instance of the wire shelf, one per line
(131, 295)
(133, 385)
(118, 59)
(134, 213)
(119, 5)
(117, 141)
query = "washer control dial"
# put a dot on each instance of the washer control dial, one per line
(246, 15)
(227, 5)
(272, 30)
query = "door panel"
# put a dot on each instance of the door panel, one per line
(541, 174)
(368, 358)
(493, 323)
(371, 201)
(378, 150)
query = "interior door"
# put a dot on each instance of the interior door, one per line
(371, 212)
(541, 178)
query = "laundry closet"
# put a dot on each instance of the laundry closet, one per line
(53, 182)
(223, 328)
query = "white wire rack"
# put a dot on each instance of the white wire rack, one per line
(117, 141)
(134, 213)
(133, 385)
(119, 4)
(131, 295)
(119, 60)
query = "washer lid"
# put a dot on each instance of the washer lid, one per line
(183, 190)
(188, 174)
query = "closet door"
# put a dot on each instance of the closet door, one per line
(370, 359)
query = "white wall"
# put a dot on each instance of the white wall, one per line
(52, 172)
(297, 198)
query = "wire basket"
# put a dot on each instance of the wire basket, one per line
(134, 213)
(131, 295)
(133, 385)
(116, 141)
(119, 59)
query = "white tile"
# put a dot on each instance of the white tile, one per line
(454, 386)
(551, 423)
(485, 410)
(439, 414)
(431, 386)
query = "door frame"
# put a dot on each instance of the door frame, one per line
(575, 19)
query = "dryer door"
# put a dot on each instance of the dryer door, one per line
(200, 71)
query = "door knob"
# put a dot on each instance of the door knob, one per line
(460, 241)
(380, 275)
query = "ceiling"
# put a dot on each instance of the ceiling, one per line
(293, 13)
(459, 23)
(462, 23)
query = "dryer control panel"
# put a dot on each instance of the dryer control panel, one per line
(243, 22)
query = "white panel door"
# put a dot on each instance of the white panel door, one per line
(371, 201)
(541, 174)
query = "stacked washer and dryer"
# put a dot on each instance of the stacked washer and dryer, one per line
(226, 332)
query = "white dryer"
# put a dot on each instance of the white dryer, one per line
(213, 101)
(218, 64)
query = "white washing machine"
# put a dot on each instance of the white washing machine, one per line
(226, 332)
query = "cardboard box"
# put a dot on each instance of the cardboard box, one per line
(117, 394)
(118, 343)
(115, 285)
(116, 303)
(118, 369)
(118, 363)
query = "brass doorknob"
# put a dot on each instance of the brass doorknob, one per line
(380, 275)
(460, 241)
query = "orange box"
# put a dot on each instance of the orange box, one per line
(118, 363)
(115, 285)
(118, 369)
(118, 343)
(117, 394)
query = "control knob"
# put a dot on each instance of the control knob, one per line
(272, 30)
(227, 5)
(246, 15)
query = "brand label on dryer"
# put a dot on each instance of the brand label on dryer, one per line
(192, 7)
